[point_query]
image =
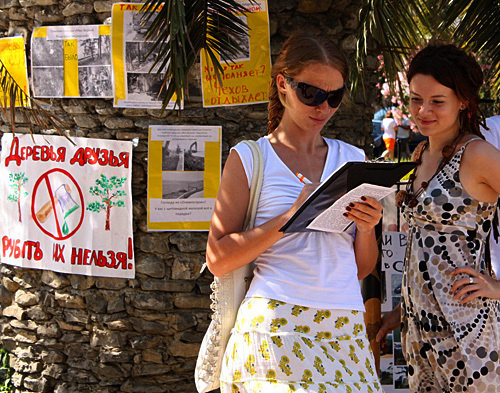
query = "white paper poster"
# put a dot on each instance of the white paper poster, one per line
(393, 370)
(67, 208)
(136, 82)
(184, 165)
(72, 61)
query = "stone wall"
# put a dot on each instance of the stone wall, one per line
(72, 333)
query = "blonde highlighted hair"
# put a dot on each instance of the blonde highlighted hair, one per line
(298, 52)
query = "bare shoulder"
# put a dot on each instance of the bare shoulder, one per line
(479, 149)
(479, 170)
(232, 199)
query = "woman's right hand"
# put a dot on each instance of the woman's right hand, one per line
(390, 321)
(304, 194)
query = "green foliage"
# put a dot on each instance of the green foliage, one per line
(181, 29)
(33, 111)
(5, 372)
(104, 189)
(398, 32)
(17, 180)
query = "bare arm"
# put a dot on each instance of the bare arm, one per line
(229, 247)
(481, 179)
(479, 172)
(390, 322)
(366, 214)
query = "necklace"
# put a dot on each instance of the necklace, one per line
(410, 197)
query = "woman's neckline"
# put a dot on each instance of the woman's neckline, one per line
(289, 170)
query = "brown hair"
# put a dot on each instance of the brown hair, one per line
(455, 69)
(298, 52)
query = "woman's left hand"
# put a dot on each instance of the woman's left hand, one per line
(474, 286)
(366, 214)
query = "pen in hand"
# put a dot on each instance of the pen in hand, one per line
(302, 178)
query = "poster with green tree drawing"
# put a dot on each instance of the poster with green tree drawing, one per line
(16, 182)
(107, 190)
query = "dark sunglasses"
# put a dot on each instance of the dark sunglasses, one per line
(314, 96)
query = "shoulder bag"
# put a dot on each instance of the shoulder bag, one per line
(228, 292)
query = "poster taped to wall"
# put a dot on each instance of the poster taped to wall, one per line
(184, 164)
(72, 61)
(246, 79)
(13, 56)
(393, 370)
(67, 208)
(136, 83)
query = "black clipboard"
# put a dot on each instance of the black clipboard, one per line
(348, 176)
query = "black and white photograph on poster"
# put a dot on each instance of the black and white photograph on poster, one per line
(396, 335)
(396, 284)
(48, 81)
(401, 378)
(139, 58)
(135, 27)
(94, 51)
(47, 53)
(386, 371)
(387, 348)
(136, 84)
(182, 185)
(399, 359)
(244, 42)
(145, 87)
(183, 155)
(71, 48)
(95, 81)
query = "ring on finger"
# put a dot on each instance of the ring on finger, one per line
(471, 280)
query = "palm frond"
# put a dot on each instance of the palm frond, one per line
(399, 31)
(474, 26)
(391, 31)
(15, 99)
(181, 29)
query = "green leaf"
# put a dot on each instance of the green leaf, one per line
(181, 29)
(30, 107)
(397, 32)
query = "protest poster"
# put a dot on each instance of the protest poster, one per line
(67, 208)
(246, 79)
(393, 369)
(13, 56)
(136, 83)
(184, 164)
(71, 61)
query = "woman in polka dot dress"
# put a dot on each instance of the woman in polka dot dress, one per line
(301, 326)
(450, 300)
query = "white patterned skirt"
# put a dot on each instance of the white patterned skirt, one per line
(278, 347)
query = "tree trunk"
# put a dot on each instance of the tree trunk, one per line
(108, 213)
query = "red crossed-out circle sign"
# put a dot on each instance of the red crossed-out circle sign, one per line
(44, 181)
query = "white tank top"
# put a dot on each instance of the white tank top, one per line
(311, 269)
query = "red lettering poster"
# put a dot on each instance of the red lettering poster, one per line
(246, 78)
(67, 208)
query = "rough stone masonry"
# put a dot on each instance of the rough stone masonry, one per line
(72, 333)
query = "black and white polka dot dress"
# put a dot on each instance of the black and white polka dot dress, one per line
(448, 346)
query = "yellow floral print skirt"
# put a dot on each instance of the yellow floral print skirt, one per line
(278, 347)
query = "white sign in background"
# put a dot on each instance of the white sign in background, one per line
(393, 370)
(67, 208)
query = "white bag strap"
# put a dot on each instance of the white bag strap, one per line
(255, 186)
(256, 183)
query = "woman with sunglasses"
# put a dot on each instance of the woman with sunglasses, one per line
(450, 301)
(301, 325)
